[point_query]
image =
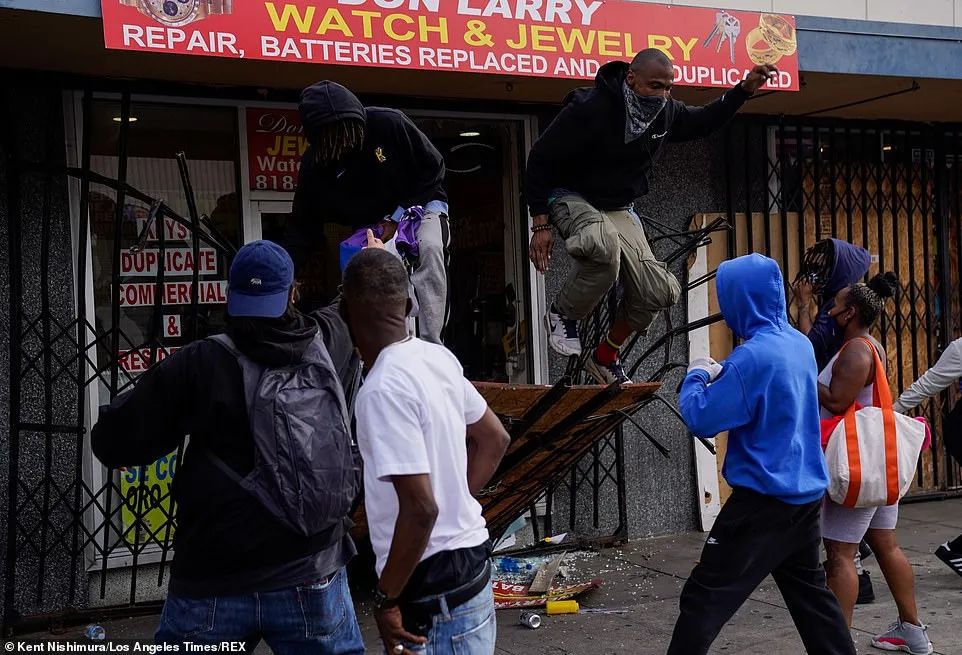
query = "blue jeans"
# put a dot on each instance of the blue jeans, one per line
(317, 619)
(468, 629)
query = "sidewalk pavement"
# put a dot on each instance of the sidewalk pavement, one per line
(645, 578)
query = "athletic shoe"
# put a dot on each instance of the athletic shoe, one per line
(952, 558)
(606, 374)
(866, 594)
(562, 333)
(905, 637)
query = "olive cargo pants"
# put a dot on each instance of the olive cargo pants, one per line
(606, 246)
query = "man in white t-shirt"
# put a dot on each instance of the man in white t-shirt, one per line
(429, 442)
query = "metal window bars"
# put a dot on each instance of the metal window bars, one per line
(60, 522)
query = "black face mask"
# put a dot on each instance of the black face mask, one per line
(844, 312)
(640, 112)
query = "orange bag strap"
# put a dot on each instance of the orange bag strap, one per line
(882, 396)
(854, 458)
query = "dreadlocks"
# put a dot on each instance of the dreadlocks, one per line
(337, 139)
(817, 265)
(869, 299)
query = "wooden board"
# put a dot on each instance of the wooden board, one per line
(544, 449)
(546, 574)
(887, 208)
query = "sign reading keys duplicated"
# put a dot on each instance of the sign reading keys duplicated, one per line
(557, 38)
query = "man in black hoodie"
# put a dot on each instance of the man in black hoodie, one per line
(584, 174)
(233, 554)
(366, 165)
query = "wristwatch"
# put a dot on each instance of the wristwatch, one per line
(381, 601)
(176, 13)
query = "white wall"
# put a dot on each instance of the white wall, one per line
(924, 12)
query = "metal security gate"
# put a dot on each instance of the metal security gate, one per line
(893, 188)
(79, 536)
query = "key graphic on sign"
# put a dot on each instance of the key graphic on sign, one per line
(727, 28)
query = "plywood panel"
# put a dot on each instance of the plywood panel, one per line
(885, 207)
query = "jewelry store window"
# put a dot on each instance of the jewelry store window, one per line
(134, 257)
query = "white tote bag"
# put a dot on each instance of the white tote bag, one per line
(873, 452)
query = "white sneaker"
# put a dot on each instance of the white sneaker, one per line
(562, 333)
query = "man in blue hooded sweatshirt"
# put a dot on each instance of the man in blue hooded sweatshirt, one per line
(766, 396)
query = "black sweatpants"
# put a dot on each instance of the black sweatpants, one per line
(755, 535)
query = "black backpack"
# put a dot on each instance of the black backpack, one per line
(305, 472)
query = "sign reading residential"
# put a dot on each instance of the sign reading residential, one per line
(139, 360)
(557, 38)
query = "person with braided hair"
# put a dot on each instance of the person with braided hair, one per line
(369, 165)
(830, 266)
(848, 378)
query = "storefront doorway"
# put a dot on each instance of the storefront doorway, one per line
(488, 330)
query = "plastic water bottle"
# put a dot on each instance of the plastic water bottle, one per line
(513, 565)
(95, 633)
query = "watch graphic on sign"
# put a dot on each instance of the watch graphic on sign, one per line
(176, 13)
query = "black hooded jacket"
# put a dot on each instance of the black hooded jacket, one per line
(225, 542)
(584, 151)
(397, 166)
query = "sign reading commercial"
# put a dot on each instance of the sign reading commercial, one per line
(141, 294)
(557, 38)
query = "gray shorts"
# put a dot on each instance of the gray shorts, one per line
(849, 525)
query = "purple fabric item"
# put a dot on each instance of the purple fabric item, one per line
(406, 237)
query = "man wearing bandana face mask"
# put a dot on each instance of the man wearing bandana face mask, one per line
(584, 174)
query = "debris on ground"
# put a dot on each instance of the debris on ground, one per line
(531, 581)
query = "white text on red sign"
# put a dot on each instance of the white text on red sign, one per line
(176, 261)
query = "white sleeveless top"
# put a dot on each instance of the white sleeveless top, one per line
(865, 397)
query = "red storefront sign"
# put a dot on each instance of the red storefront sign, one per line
(275, 143)
(554, 38)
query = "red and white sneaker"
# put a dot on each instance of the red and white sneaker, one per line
(905, 637)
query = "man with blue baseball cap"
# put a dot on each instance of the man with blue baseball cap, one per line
(272, 562)
(261, 278)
